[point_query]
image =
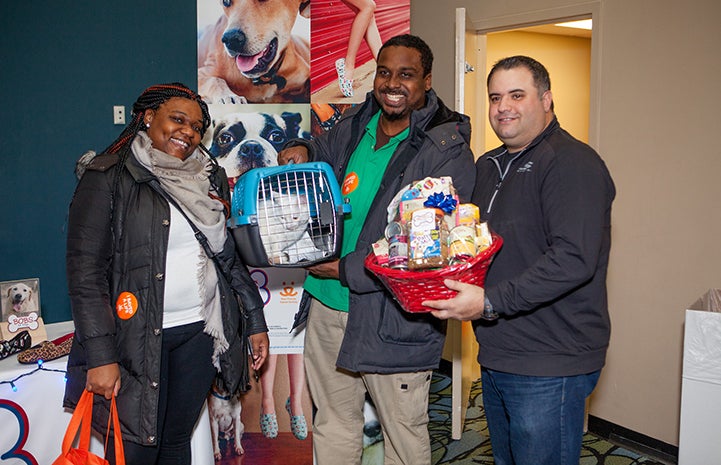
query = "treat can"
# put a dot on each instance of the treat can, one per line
(398, 252)
(393, 228)
(467, 214)
(462, 242)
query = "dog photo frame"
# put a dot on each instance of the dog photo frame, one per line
(21, 309)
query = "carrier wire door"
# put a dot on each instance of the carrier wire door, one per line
(288, 216)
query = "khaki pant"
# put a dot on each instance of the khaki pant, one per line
(401, 400)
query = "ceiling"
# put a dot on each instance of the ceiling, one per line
(557, 30)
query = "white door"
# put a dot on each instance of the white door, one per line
(461, 382)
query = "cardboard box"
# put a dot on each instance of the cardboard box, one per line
(701, 383)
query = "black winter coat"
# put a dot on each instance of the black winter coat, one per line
(118, 243)
(380, 336)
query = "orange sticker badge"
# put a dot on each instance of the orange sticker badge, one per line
(126, 305)
(350, 183)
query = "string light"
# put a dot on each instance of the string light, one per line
(40, 367)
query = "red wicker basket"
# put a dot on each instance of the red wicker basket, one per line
(410, 288)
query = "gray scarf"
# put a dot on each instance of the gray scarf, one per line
(187, 182)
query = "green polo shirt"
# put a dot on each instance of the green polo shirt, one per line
(362, 179)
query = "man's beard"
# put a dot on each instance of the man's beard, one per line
(401, 114)
(394, 116)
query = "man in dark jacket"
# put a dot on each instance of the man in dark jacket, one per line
(542, 323)
(358, 339)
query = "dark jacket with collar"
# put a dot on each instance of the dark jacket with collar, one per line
(380, 336)
(118, 243)
(548, 282)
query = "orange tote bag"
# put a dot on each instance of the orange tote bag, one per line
(81, 420)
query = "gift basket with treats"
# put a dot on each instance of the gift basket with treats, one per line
(431, 237)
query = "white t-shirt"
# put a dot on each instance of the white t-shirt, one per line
(182, 263)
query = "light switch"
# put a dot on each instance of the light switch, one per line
(118, 114)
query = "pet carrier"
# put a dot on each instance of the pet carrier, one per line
(287, 216)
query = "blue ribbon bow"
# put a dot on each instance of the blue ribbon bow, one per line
(438, 200)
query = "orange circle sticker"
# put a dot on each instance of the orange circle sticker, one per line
(349, 183)
(126, 305)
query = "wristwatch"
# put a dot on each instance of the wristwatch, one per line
(488, 313)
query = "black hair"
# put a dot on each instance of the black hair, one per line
(541, 78)
(152, 98)
(411, 41)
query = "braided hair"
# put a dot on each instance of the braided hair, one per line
(152, 98)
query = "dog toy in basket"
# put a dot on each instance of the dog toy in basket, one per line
(288, 216)
(411, 288)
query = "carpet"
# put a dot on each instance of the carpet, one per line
(474, 446)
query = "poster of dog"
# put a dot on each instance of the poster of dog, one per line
(252, 51)
(21, 309)
(244, 137)
(254, 70)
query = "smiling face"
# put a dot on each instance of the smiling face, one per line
(400, 85)
(516, 112)
(175, 127)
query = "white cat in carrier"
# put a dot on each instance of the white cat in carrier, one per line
(288, 215)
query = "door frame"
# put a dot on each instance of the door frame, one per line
(535, 18)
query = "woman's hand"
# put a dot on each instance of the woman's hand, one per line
(259, 344)
(104, 380)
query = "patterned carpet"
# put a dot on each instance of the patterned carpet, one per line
(474, 447)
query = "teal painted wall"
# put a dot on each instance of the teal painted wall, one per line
(63, 65)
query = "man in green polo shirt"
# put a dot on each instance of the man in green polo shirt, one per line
(358, 340)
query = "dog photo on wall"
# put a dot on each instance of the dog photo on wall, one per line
(20, 297)
(242, 137)
(21, 308)
(254, 51)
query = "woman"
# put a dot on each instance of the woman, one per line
(155, 317)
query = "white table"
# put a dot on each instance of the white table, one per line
(33, 420)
